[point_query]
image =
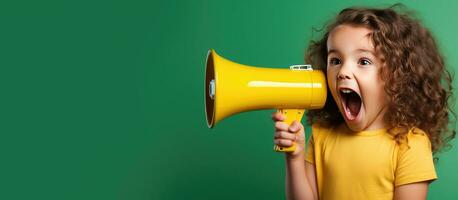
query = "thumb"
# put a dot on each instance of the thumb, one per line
(295, 126)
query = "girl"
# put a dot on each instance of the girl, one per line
(375, 138)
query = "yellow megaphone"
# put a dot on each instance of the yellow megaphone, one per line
(231, 88)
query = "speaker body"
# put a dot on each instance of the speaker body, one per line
(231, 88)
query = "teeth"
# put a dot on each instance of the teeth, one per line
(346, 91)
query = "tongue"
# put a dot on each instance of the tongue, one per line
(354, 103)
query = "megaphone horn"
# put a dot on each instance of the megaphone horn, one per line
(231, 88)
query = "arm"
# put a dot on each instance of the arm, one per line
(300, 180)
(413, 191)
(311, 177)
(415, 168)
(300, 175)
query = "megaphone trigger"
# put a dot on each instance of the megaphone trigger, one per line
(291, 115)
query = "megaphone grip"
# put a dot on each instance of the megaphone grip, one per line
(291, 115)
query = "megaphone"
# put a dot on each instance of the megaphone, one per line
(231, 88)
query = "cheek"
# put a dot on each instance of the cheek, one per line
(374, 93)
(381, 95)
(332, 80)
(331, 76)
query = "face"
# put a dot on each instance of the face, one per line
(354, 79)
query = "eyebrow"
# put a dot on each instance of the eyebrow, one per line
(365, 50)
(332, 51)
(357, 50)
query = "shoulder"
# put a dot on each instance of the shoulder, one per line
(321, 131)
(318, 128)
(416, 145)
(417, 138)
(415, 159)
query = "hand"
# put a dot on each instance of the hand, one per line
(286, 135)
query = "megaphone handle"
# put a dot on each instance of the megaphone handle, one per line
(291, 115)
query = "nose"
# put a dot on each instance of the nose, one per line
(344, 73)
(343, 76)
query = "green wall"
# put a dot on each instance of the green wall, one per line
(104, 99)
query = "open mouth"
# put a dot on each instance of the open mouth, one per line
(351, 102)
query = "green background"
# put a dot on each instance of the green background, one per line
(104, 99)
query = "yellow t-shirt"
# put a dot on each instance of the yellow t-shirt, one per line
(368, 164)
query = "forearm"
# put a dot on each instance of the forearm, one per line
(297, 185)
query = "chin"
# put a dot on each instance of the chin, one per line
(358, 124)
(355, 127)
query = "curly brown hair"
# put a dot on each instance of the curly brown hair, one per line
(417, 83)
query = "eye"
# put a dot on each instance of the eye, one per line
(364, 61)
(334, 61)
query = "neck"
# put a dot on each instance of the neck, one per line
(379, 121)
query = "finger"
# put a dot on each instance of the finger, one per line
(281, 126)
(295, 127)
(278, 116)
(283, 142)
(285, 135)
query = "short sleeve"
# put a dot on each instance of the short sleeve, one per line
(415, 162)
(310, 152)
